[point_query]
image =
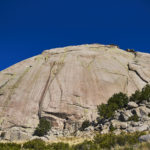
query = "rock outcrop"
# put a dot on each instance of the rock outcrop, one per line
(65, 85)
(129, 119)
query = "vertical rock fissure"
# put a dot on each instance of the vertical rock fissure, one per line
(60, 87)
(44, 91)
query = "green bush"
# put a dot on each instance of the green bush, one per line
(103, 111)
(112, 128)
(136, 97)
(105, 140)
(110, 140)
(120, 99)
(86, 145)
(43, 127)
(85, 124)
(146, 93)
(35, 144)
(139, 96)
(59, 146)
(10, 146)
(100, 141)
(134, 118)
(2, 135)
(117, 101)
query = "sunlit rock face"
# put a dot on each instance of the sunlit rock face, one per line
(66, 84)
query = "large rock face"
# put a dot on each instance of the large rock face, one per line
(67, 84)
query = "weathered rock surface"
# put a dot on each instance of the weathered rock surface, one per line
(65, 85)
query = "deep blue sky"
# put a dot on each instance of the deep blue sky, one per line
(27, 27)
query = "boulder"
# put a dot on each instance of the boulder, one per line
(144, 138)
(116, 115)
(105, 131)
(7, 136)
(140, 111)
(124, 116)
(119, 125)
(144, 127)
(145, 118)
(117, 131)
(135, 124)
(90, 128)
(132, 105)
(131, 129)
(144, 110)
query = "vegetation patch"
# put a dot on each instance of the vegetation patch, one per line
(112, 128)
(36, 144)
(100, 141)
(117, 101)
(10, 146)
(85, 124)
(134, 118)
(111, 140)
(43, 127)
(139, 96)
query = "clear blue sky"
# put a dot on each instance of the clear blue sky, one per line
(27, 27)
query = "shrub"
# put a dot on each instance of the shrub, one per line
(36, 144)
(103, 111)
(43, 127)
(2, 135)
(116, 102)
(136, 97)
(134, 118)
(107, 111)
(86, 145)
(112, 128)
(120, 99)
(59, 146)
(110, 140)
(145, 95)
(105, 140)
(10, 146)
(139, 96)
(85, 124)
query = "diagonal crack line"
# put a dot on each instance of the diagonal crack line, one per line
(137, 73)
(16, 125)
(78, 105)
(4, 84)
(60, 87)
